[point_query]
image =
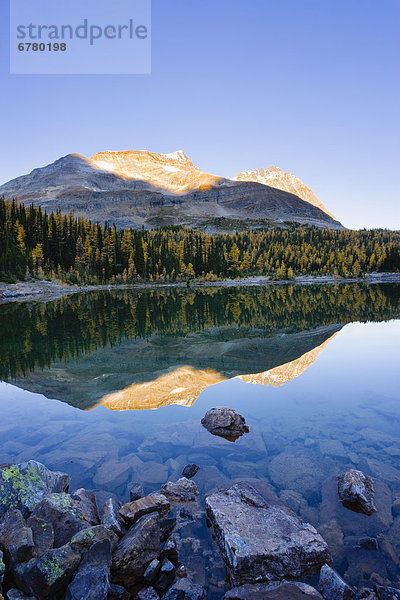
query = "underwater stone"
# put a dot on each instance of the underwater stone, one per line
(356, 492)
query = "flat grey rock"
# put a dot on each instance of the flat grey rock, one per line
(262, 542)
(285, 590)
(183, 490)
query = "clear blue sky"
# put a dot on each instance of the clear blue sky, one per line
(311, 86)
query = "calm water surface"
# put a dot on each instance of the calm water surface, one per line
(314, 370)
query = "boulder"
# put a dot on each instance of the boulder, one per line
(15, 538)
(132, 511)
(356, 492)
(42, 533)
(167, 525)
(225, 422)
(135, 551)
(166, 577)
(183, 490)
(2, 570)
(190, 470)
(66, 513)
(92, 579)
(24, 485)
(387, 593)
(152, 570)
(48, 577)
(135, 491)
(84, 539)
(148, 593)
(285, 590)
(184, 589)
(170, 550)
(332, 586)
(87, 505)
(262, 542)
(117, 592)
(111, 518)
(15, 594)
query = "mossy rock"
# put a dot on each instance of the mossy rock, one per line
(24, 485)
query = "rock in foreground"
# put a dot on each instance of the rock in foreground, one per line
(260, 542)
(332, 586)
(274, 591)
(225, 422)
(356, 492)
(24, 485)
(182, 490)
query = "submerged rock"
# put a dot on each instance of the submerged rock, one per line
(92, 579)
(356, 492)
(48, 577)
(284, 590)
(332, 586)
(24, 485)
(136, 550)
(132, 511)
(182, 490)
(184, 589)
(260, 542)
(225, 422)
(190, 470)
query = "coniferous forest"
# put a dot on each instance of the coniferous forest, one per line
(76, 250)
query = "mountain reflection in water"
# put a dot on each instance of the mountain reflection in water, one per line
(147, 349)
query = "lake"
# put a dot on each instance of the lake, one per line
(110, 387)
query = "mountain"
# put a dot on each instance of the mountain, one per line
(141, 188)
(276, 178)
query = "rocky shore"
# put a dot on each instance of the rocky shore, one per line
(43, 290)
(57, 544)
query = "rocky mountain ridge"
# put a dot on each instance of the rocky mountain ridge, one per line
(142, 188)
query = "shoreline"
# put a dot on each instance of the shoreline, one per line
(43, 291)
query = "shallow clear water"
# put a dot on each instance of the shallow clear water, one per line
(333, 405)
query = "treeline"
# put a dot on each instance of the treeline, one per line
(76, 250)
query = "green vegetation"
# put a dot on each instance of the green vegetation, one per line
(23, 488)
(78, 251)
